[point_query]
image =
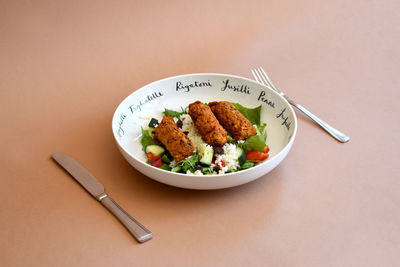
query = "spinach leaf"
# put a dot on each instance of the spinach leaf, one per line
(207, 170)
(246, 165)
(190, 163)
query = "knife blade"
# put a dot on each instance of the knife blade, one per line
(96, 189)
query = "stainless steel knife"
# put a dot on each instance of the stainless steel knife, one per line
(96, 189)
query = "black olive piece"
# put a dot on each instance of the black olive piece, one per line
(179, 123)
(218, 150)
(198, 168)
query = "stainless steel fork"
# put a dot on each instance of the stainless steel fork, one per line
(261, 77)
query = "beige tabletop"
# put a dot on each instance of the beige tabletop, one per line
(66, 65)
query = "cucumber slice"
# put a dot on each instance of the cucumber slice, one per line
(165, 167)
(165, 159)
(155, 150)
(241, 155)
(206, 154)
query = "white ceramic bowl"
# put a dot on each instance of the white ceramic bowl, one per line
(149, 101)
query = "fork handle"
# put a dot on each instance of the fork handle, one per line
(338, 135)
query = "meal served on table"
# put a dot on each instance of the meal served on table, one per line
(206, 139)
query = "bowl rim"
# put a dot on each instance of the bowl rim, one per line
(205, 176)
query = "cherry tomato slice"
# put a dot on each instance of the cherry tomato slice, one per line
(156, 161)
(221, 164)
(253, 155)
(256, 156)
(149, 155)
(266, 149)
(263, 156)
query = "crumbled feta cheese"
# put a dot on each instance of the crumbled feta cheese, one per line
(198, 172)
(172, 164)
(229, 158)
(192, 133)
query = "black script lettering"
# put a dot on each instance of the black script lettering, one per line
(121, 131)
(265, 100)
(179, 86)
(147, 99)
(187, 87)
(235, 88)
(153, 96)
(284, 119)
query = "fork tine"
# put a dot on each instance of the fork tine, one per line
(262, 76)
(255, 75)
(265, 76)
(258, 77)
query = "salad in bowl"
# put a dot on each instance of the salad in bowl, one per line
(203, 146)
(204, 131)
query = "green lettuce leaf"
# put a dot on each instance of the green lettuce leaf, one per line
(261, 127)
(175, 114)
(252, 114)
(177, 168)
(255, 142)
(146, 139)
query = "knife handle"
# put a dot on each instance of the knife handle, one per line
(134, 227)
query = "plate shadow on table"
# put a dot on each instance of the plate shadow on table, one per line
(263, 193)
